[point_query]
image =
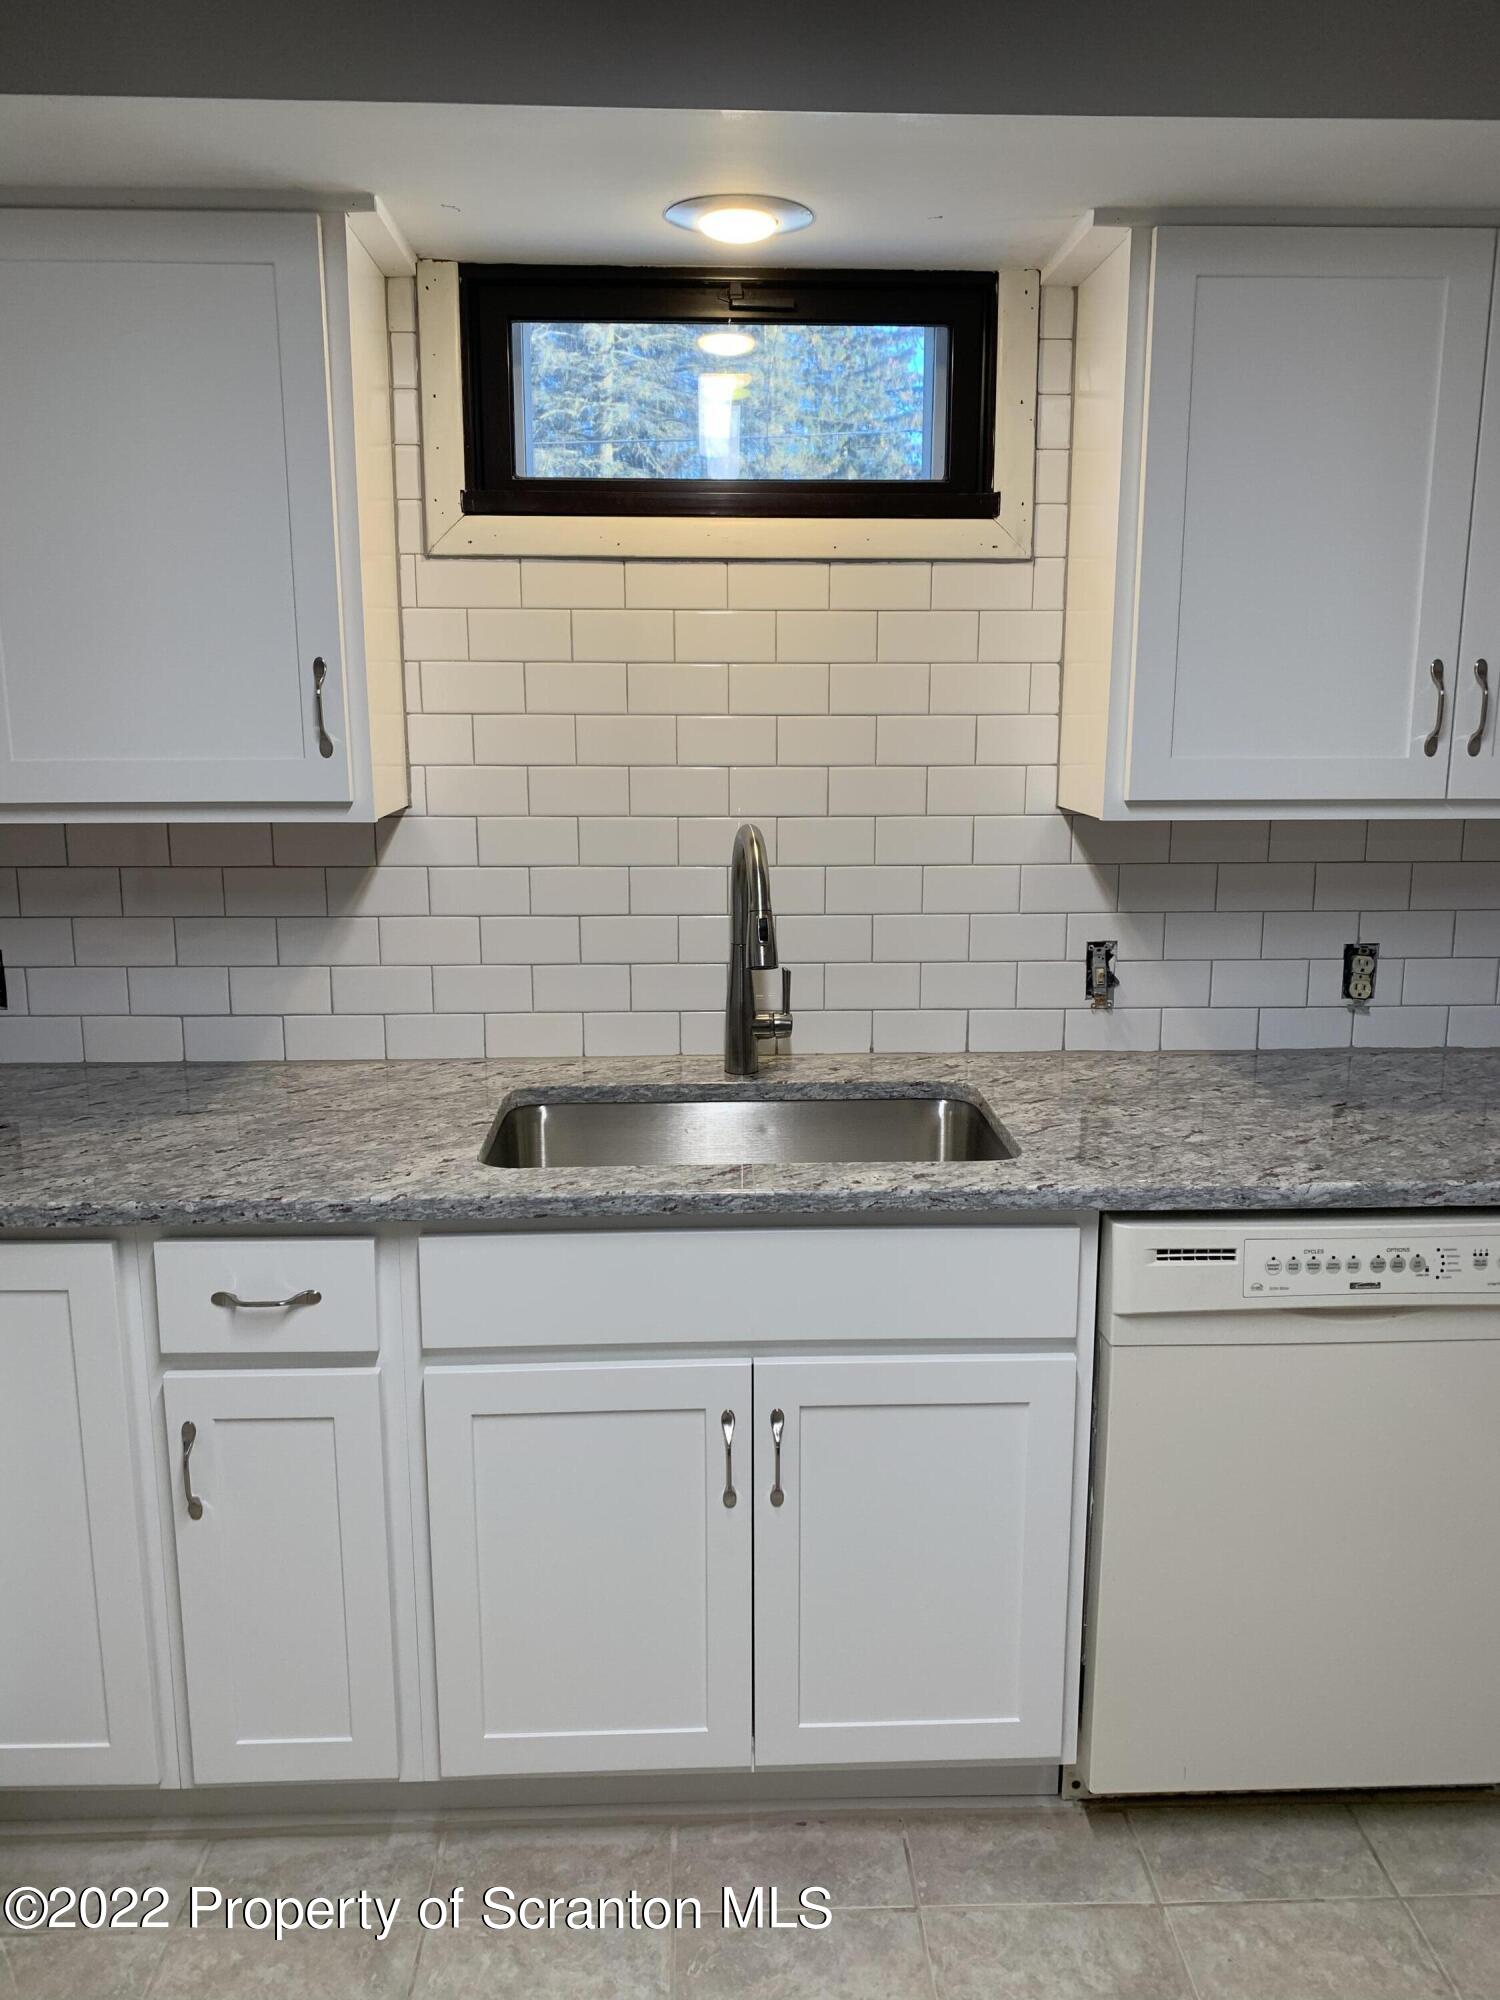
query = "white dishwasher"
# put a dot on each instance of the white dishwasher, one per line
(1294, 1558)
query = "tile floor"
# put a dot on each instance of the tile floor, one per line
(1376, 1901)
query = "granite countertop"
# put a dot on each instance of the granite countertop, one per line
(86, 1148)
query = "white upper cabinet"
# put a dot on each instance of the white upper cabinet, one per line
(195, 618)
(1272, 485)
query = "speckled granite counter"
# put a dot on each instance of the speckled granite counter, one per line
(341, 1143)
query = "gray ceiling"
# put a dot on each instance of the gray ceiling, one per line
(1165, 58)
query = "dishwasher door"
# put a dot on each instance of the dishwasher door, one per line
(1295, 1558)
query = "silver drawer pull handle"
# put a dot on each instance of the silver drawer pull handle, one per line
(320, 674)
(726, 1424)
(194, 1504)
(1430, 741)
(231, 1299)
(1482, 675)
(778, 1420)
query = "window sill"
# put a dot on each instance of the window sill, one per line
(450, 532)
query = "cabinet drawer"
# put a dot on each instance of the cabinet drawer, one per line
(297, 1295)
(657, 1287)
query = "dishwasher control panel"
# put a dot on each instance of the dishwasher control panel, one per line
(1390, 1262)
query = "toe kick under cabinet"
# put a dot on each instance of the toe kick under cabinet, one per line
(817, 1512)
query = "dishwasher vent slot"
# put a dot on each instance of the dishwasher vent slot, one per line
(1197, 1253)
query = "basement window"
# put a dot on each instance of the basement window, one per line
(750, 393)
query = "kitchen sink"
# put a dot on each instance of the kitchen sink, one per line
(742, 1131)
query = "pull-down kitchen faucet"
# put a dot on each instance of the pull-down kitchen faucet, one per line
(752, 949)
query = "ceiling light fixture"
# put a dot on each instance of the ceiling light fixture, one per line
(727, 344)
(739, 218)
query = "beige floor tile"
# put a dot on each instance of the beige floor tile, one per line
(557, 1861)
(1440, 1849)
(335, 1863)
(247, 1965)
(1231, 1853)
(1037, 1953)
(1028, 1854)
(475, 1964)
(86, 1965)
(1464, 1931)
(117, 1862)
(861, 1955)
(1305, 1951)
(861, 1862)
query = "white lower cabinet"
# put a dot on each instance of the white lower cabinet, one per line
(911, 1557)
(76, 1696)
(591, 1565)
(591, 1530)
(282, 1562)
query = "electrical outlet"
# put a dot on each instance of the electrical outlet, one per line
(1359, 973)
(1099, 975)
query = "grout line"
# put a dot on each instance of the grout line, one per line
(1436, 1956)
(917, 1904)
(1166, 1915)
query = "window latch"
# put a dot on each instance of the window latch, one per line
(758, 301)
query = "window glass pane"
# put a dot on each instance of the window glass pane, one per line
(618, 399)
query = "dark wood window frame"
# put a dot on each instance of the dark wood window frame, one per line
(494, 297)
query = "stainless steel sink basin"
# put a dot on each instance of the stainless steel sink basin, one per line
(740, 1131)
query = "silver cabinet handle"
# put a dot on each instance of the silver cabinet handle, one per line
(194, 1504)
(232, 1299)
(726, 1424)
(320, 674)
(778, 1421)
(1482, 675)
(1430, 741)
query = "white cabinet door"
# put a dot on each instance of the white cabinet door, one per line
(286, 1594)
(76, 1699)
(1474, 773)
(911, 1583)
(1312, 413)
(591, 1588)
(168, 562)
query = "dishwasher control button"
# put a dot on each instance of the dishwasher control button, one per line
(1398, 1262)
(1377, 1262)
(1351, 1262)
(1314, 1263)
(1335, 1264)
(1419, 1265)
(1273, 1266)
(1294, 1265)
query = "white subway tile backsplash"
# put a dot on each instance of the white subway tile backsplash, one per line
(548, 582)
(77, 990)
(1305, 1027)
(928, 635)
(335, 1038)
(868, 688)
(34, 1039)
(726, 635)
(925, 739)
(585, 737)
(891, 586)
(482, 989)
(627, 739)
(778, 586)
(417, 1037)
(131, 1038)
(825, 635)
(568, 790)
(1016, 1028)
(676, 586)
(589, 687)
(104, 941)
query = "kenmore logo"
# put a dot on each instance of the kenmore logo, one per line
(1364, 1284)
